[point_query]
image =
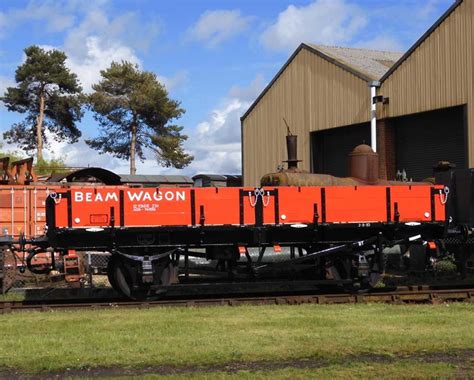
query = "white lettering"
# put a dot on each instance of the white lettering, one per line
(111, 196)
(180, 196)
(134, 196)
(99, 197)
(144, 196)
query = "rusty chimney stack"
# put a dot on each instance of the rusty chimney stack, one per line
(291, 148)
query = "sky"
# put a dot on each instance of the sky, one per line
(215, 57)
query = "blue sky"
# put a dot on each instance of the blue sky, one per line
(213, 56)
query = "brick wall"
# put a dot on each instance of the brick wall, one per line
(386, 149)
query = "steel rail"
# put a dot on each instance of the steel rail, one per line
(396, 297)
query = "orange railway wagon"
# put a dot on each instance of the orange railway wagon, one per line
(336, 229)
(23, 216)
(23, 210)
(89, 208)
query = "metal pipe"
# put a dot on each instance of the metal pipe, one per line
(373, 117)
(291, 147)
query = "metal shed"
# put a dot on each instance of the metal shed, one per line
(319, 88)
(425, 113)
(430, 113)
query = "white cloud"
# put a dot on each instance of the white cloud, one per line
(215, 27)
(330, 22)
(61, 15)
(127, 28)
(223, 126)
(98, 41)
(216, 142)
(93, 44)
(97, 55)
(53, 14)
(93, 39)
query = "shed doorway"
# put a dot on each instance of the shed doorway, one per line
(330, 148)
(424, 139)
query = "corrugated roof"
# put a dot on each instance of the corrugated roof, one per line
(365, 64)
(373, 63)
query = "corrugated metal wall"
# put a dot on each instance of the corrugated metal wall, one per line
(311, 94)
(439, 73)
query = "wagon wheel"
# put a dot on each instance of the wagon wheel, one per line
(125, 277)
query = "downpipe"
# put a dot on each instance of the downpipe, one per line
(373, 115)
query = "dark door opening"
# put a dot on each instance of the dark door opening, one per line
(424, 139)
(330, 148)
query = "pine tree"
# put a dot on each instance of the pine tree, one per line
(134, 112)
(50, 96)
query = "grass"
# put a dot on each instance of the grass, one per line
(401, 370)
(12, 297)
(35, 342)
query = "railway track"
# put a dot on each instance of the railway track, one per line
(399, 296)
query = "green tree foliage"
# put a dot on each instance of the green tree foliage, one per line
(134, 112)
(50, 96)
(55, 165)
(14, 156)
